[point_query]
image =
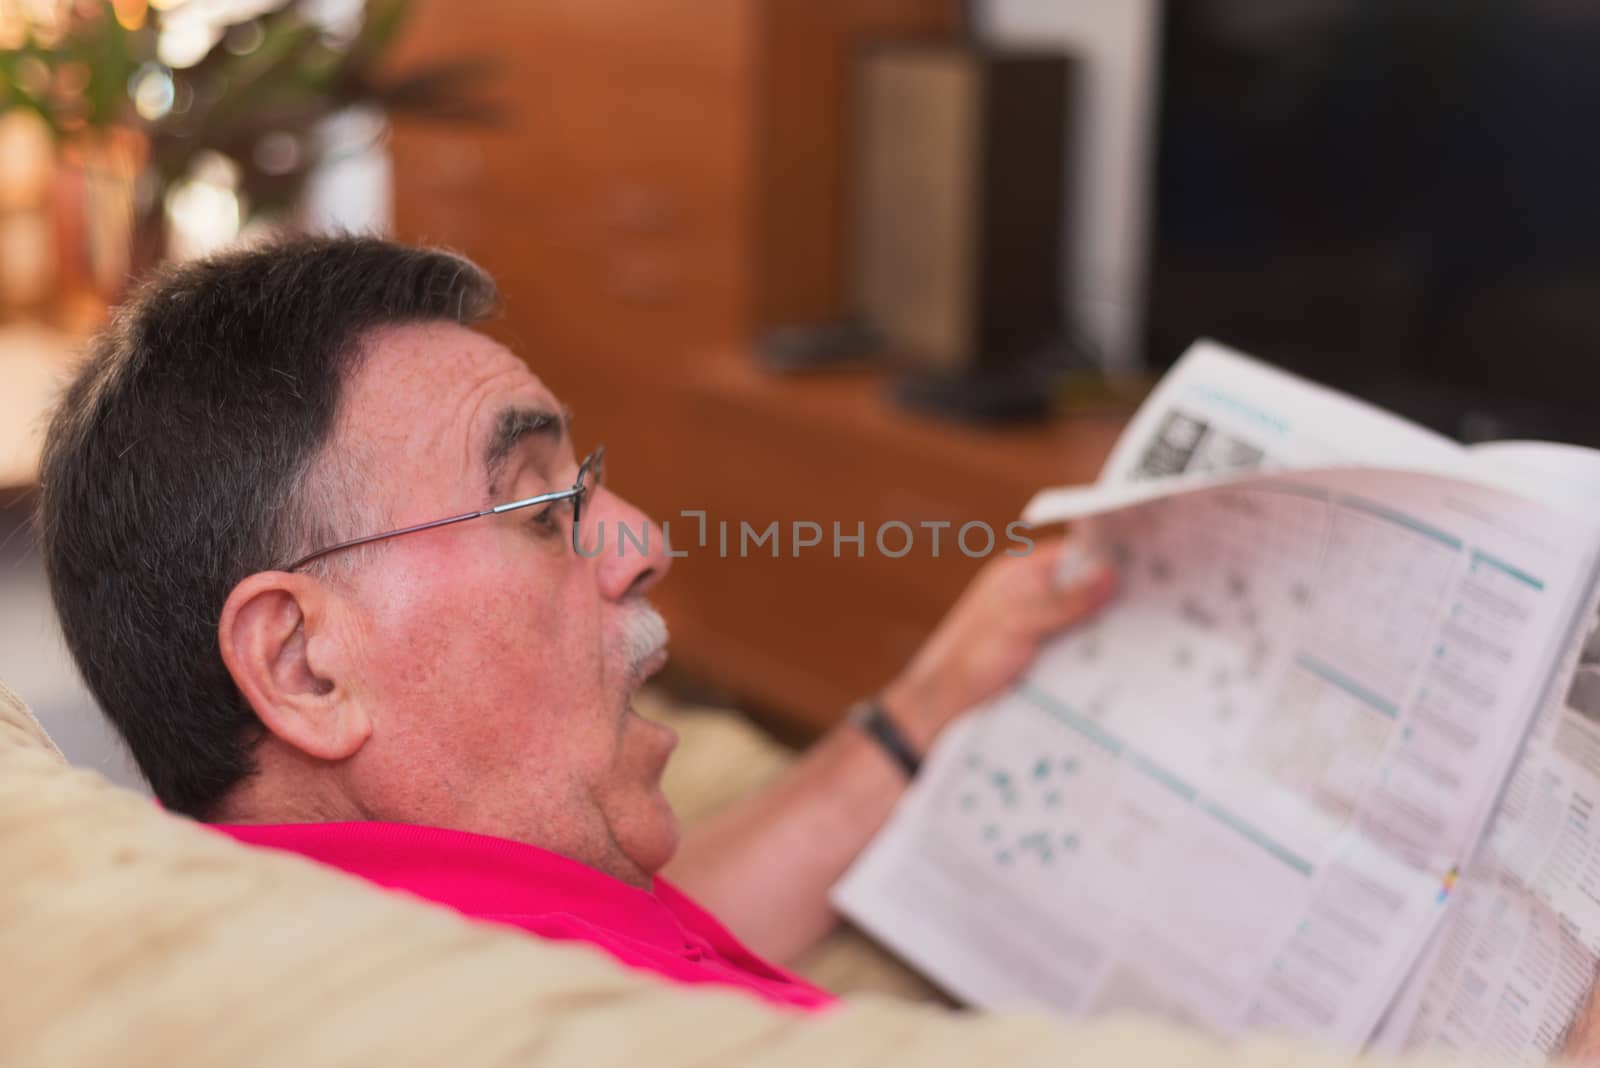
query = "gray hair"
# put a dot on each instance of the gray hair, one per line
(186, 456)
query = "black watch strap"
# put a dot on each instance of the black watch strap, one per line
(873, 719)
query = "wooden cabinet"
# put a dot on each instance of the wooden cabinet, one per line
(670, 174)
(803, 635)
(671, 177)
(612, 205)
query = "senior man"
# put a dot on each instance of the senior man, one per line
(271, 518)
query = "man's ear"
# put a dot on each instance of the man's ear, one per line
(281, 644)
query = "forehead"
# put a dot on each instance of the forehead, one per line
(425, 398)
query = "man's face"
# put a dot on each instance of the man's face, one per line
(496, 664)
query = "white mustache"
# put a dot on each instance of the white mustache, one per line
(644, 634)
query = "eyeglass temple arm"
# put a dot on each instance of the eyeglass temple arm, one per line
(353, 542)
(542, 498)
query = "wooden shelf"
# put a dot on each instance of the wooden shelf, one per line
(1019, 458)
(799, 637)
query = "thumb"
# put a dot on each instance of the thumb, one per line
(1081, 580)
(1090, 587)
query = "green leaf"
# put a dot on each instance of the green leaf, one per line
(379, 28)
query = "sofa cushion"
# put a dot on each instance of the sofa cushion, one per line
(20, 729)
(134, 937)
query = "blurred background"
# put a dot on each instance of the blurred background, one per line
(832, 261)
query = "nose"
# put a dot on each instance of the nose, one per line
(633, 557)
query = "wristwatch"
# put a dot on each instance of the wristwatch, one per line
(872, 718)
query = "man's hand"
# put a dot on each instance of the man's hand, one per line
(993, 633)
(1582, 1043)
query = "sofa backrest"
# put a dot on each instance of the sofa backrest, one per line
(134, 937)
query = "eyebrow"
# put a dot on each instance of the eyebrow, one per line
(512, 427)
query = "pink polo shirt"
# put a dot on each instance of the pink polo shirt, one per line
(500, 881)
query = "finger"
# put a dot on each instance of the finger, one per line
(1060, 574)
(1078, 563)
(1038, 565)
(1095, 585)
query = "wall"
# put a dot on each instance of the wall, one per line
(34, 661)
(1116, 40)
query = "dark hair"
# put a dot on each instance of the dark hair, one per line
(177, 465)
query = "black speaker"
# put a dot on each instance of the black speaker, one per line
(959, 182)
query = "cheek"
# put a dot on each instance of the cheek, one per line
(456, 632)
(483, 666)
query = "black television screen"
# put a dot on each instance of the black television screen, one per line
(1398, 197)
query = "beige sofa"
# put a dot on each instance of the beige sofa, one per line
(131, 937)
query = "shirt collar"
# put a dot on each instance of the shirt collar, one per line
(476, 874)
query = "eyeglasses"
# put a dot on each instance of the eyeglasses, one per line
(590, 474)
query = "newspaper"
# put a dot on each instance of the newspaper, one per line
(1242, 796)
(1520, 953)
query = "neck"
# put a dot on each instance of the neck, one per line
(286, 788)
(290, 787)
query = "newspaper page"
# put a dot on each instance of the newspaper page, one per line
(1506, 975)
(1542, 830)
(1548, 830)
(1536, 876)
(1218, 411)
(1566, 477)
(1239, 797)
(1519, 1005)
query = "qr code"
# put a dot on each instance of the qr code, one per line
(1186, 443)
